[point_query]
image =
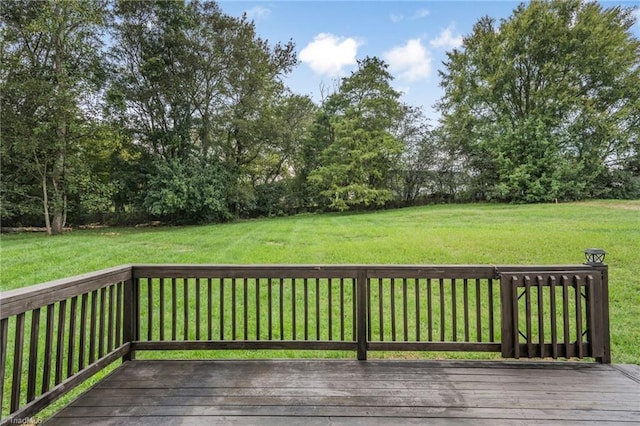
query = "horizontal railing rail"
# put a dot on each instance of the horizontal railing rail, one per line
(56, 335)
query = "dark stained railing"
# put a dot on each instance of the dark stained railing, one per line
(246, 307)
(54, 336)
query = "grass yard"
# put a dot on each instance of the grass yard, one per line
(443, 234)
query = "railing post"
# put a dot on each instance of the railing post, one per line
(604, 326)
(595, 259)
(130, 317)
(361, 313)
(508, 334)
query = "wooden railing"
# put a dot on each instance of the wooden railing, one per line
(54, 336)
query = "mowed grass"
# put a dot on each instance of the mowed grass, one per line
(443, 234)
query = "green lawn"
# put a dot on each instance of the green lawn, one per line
(443, 234)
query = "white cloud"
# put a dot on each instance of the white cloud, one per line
(446, 39)
(411, 62)
(329, 54)
(257, 12)
(420, 13)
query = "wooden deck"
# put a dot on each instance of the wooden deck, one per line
(314, 392)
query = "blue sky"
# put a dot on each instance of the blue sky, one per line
(411, 36)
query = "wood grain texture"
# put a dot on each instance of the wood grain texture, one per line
(359, 392)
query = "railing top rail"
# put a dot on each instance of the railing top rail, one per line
(338, 271)
(13, 302)
(24, 299)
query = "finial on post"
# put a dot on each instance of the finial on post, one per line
(594, 256)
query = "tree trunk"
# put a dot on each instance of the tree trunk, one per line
(57, 226)
(59, 205)
(45, 203)
(59, 165)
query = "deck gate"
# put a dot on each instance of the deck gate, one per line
(554, 314)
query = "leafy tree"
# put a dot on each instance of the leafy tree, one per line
(545, 105)
(416, 163)
(187, 192)
(249, 122)
(274, 172)
(51, 70)
(318, 138)
(356, 166)
(198, 86)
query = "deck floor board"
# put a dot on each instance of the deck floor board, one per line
(372, 392)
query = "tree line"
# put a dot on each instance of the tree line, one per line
(124, 112)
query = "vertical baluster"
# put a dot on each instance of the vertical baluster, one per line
(454, 314)
(119, 309)
(62, 311)
(491, 321)
(83, 331)
(209, 309)
(174, 308)
(354, 315)
(380, 309)
(369, 312)
(429, 312)
(102, 326)
(269, 309)
(257, 308)
(306, 310)
(293, 309)
(565, 314)
(197, 308)
(442, 310)
(465, 297)
(342, 311)
(48, 345)
(137, 296)
(246, 308)
(540, 282)
(416, 287)
(392, 283)
(515, 320)
(317, 308)
(478, 311)
(234, 309)
(161, 306)
(150, 308)
(577, 282)
(33, 356)
(527, 298)
(361, 281)
(73, 313)
(4, 330)
(110, 318)
(281, 300)
(221, 303)
(329, 308)
(552, 309)
(16, 379)
(185, 286)
(405, 320)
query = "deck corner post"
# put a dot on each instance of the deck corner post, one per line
(604, 325)
(508, 334)
(361, 313)
(129, 319)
